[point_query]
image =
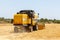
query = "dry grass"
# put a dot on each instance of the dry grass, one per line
(51, 32)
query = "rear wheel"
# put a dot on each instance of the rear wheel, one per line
(30, 28)
(20, 28)
(15, 29)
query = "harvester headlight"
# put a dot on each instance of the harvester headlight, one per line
(36, 14)
(24, 19)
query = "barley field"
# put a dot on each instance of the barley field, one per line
(51, 32)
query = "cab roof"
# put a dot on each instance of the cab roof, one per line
(26, 11)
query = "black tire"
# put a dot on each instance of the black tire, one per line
(15, 29)
(35, 28)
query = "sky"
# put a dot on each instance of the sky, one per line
(46, 8)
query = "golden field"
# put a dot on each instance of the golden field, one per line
(51, 32)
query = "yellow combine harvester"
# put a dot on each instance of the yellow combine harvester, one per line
(25, 21)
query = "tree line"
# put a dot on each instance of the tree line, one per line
(40, 20)
(49, 20)
(7, 20)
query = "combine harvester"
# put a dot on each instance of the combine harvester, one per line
(26, 21)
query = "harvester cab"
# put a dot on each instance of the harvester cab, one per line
(30, 13)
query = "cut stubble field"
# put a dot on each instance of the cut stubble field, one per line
(51, 32)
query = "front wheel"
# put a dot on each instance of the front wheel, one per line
(35, 28)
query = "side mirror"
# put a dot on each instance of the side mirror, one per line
(38, 13)
(11, 20)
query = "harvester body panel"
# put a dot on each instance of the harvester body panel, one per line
(20, 19)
